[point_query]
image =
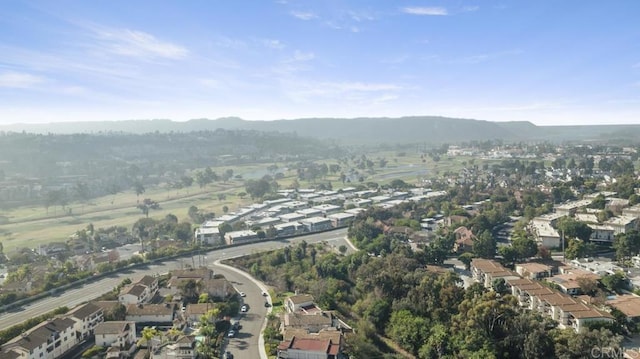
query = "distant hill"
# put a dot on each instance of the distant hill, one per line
(427, 129)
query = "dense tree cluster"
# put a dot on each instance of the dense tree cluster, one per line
(427, 314)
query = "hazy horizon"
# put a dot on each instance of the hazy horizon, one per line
(545, 62)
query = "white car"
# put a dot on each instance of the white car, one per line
(242, 294)
(244, 308)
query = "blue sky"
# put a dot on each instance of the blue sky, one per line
(548, 62)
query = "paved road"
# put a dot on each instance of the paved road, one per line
(245, 343)
(91, 291)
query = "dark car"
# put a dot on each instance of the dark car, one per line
(267, 304)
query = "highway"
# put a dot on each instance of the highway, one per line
(87, 292)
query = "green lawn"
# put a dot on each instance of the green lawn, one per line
(33, 226)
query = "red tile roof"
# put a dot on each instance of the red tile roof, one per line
(312, 345)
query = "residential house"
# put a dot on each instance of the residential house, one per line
(192, 273)
(358, 202)
(291, 217)
(208, 235)
(118, 334)
(315, 224)
(341, 219)
(193, 312)
(217, 288)
(180, 276)
(141, 291)
(309, 212)
(87, 317)
(486, 271)
(150, 282)
(544, 232)
(134, 294)
(464, 240)
(312, 323)
(570, 208)
(287, 229)
(53, 249)
(601, 232)
(569, 281)
(299, 302)
(629, 304)
(151, 313)
(622, 224)
(243, 236)
(578, 320)
(184, 347)
(534, 270)
(327, 209)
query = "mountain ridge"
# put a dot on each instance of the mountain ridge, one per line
(433, 129)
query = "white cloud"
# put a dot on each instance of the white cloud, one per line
(304, 15)
(360, 16)
(476, 59)
(340, 88)
(396, 60)
(273, 44)
(431, 11)
(19, 80)
(139, 44)
(299, 56)
(230, 43)
(385, 98)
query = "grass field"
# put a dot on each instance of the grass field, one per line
(34, 226)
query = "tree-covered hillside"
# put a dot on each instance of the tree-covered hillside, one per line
(105, 163)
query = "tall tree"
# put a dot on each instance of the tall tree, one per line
(147, 205)
(139, 189)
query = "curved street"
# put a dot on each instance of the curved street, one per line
(245, 344)
(247, 340)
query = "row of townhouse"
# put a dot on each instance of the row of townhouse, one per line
(532, 295)
(57, 336)
(310, 218)
(544, 228)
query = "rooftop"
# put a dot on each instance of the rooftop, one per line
(301, 298)
(114, 327)
(628, 304)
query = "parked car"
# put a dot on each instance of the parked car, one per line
(242, 294)
(267, 304)
(244, 308)
(232, 333)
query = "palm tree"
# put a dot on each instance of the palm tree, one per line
(147, 334)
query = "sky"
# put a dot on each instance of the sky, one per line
(545, 61)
